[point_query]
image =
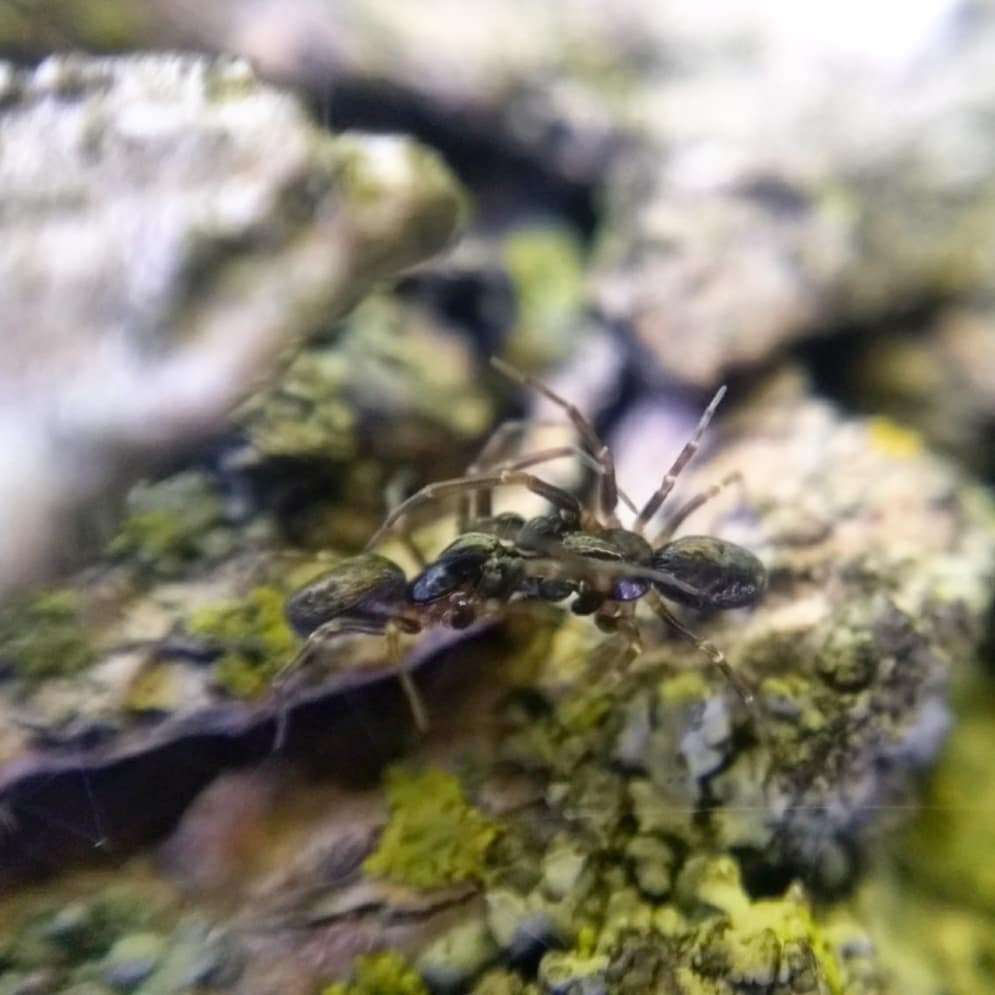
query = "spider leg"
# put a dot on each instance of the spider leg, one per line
(657, 498)
(418, 712)
(560, 562)
(555, 495)
(319, 639)
(484, 509)
(557, 452)
(673, 522)
(615, 617)
(714, 654)
(394, 495)
(474, 505)
(608, 493)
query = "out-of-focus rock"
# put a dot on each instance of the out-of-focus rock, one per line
(171, 228)
(881, 561)
(762, 177)
(938, 378)
(665, 823)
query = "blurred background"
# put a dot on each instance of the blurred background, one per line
(254, 260)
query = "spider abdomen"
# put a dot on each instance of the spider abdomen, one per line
(722, 574)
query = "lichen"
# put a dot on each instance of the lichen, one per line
(168, 523)
(44, 636)
(711, 937)
(547, 270)
(107, 25)
(252, 637)
(944, 848)
(379, 974)
(388, 361)
(70, 928)
(434, 837)
(893, 439)
(504, 982)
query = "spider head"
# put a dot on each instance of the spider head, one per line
(476, 565)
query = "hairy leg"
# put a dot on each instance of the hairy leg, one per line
(608, 493)
(709, 650)
(657, 498)
(320, 639)
(503, 478)
(673, 522)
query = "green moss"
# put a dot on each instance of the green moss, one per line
(504, 982)
(387, 362)
(168, 522)
(546, 266)
(434, 837)
(95, 25)
(253, 636)
(946, 849)
(44, 635)
(366, 185)
(379, 974)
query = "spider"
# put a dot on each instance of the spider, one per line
(574, 552)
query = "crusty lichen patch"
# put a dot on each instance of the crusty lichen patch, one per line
(379, 974)
(546, 268)
(43, 636)
(434, 837)
(171, 524)
(252, 636)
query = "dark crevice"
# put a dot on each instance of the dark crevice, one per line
(506, 177)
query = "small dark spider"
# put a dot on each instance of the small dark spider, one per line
(573, 552)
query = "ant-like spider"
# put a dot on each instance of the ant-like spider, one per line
(573, 552)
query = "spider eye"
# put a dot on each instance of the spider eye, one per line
(629, 588)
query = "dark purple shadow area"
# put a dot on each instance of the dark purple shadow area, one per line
(99, 805)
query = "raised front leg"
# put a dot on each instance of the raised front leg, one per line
(660, 495)
(608, 492)
(555, 495)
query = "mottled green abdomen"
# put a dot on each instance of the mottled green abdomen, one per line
(366, 586)
(722, 574)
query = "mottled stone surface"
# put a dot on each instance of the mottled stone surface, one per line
(171, 227)
(663, 197)
(936, 373)
(638, 821)
(754, 178)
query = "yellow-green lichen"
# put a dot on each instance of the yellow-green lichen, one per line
(711, 935)
(504, 982)
(44, 637)
(253, 637)
(434, 836)
(895, 440)
(168, 522)
(379, 974)
(388, 363)
(423, 194)
(547, 269)
(107, 25)
(946, 849)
